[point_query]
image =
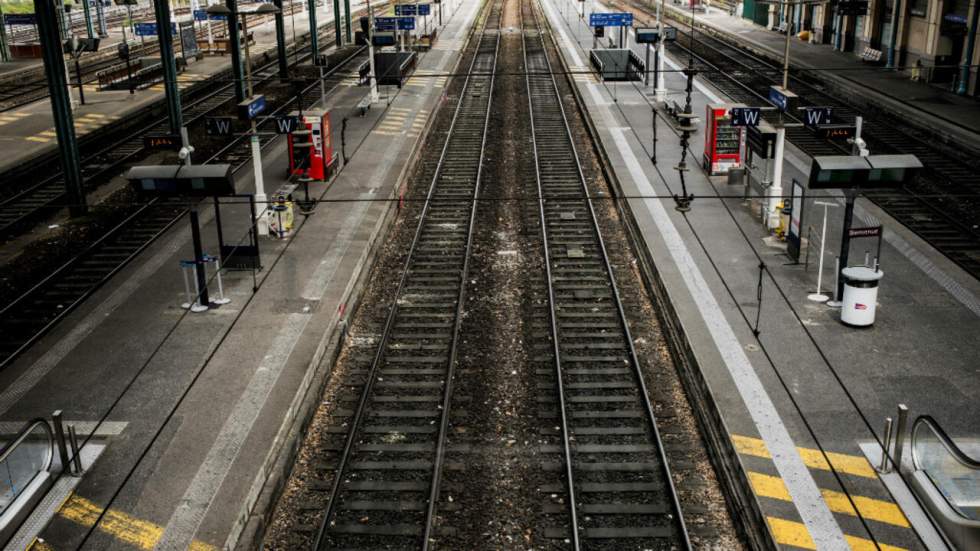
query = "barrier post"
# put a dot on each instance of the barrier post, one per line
(59, 437)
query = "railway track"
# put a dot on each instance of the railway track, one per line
(620, 493)
(35, 312)
(386, 486)
(929, 207)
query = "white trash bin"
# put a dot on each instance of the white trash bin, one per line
(860, 295)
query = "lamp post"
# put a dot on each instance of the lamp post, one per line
(260, 197)
(370, 40)
(661, 87)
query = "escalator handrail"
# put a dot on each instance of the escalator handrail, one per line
(945, 439)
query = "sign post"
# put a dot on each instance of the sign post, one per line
(819, 296)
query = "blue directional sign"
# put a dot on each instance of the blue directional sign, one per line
(610, 19)
(150, 29)
(412, 9)
(393, 23)
(19, 19)
(783, 99)
(251, 107)
(200, 15)
(745, 116)
(816, 116)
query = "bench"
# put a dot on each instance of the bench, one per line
(871, 55)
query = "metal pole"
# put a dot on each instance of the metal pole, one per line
(776, 190)
(76, 457)
(323, 89)
(281, 40)
(4, 46)
(370, 40)
(883, 467)
(236, 49)
(347, 22)
(169, 65)
(202, 280)
(845, 239)
(78, 76)
(256, 146)
(64, 124)
(87, 12)
(314, 47)
(100, 17)
(786, 61)
(646, 74)
(339, 38)
(661, 90)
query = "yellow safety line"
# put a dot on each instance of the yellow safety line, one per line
(875, 509)
(119, 525)
(851, 464)
(792, 533)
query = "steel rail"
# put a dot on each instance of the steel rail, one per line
(621, 315)
(386, 334)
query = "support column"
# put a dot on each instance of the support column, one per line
(347, 22)
(64, 124)
(336, 24)
(100, 17)
(281, 40)
(165, 39)
(4, 46)
(236, 50)
(971, 41)
(87, 11)
(314, 47)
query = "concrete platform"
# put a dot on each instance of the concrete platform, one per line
(28, 131)
(207, 406)
(789, 402)
(930, 106)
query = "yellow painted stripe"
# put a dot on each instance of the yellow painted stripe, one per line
(851, 464)
(787, 532)
(125, 528)
(875, 509)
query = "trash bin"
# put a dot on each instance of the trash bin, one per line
(860, 295)
(736, 176)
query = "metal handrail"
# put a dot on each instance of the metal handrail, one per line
(944, 438)
(22, 436)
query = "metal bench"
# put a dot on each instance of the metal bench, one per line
(871, 55)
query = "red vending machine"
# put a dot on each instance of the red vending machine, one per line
(317, 121)
(722, 141)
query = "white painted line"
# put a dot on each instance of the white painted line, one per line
(82, 428)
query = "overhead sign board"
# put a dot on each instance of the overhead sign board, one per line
(286, 124)
(194, 180)
(20, 19)
(874, 171)
(200, 15)
(383, 38)
(394, 23)
(761, 140)
(836, 131)
(745, 116)
(150, 29)
(610, 19)
(251, 107)
(403, 10)
(782, 99)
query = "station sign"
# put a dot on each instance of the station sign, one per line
(651, 35)
(783, 99)
(857, 233)
(162, 142)
(745, 116)
(403, 10)
(20, 19)
(251, 107)
(610, 19)
(816, 116)
(218, 126)
(151, 29)
(394, 23)
(200, 15)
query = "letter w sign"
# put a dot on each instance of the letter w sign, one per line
(218, 126)
(745, 116)
(816, 116)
